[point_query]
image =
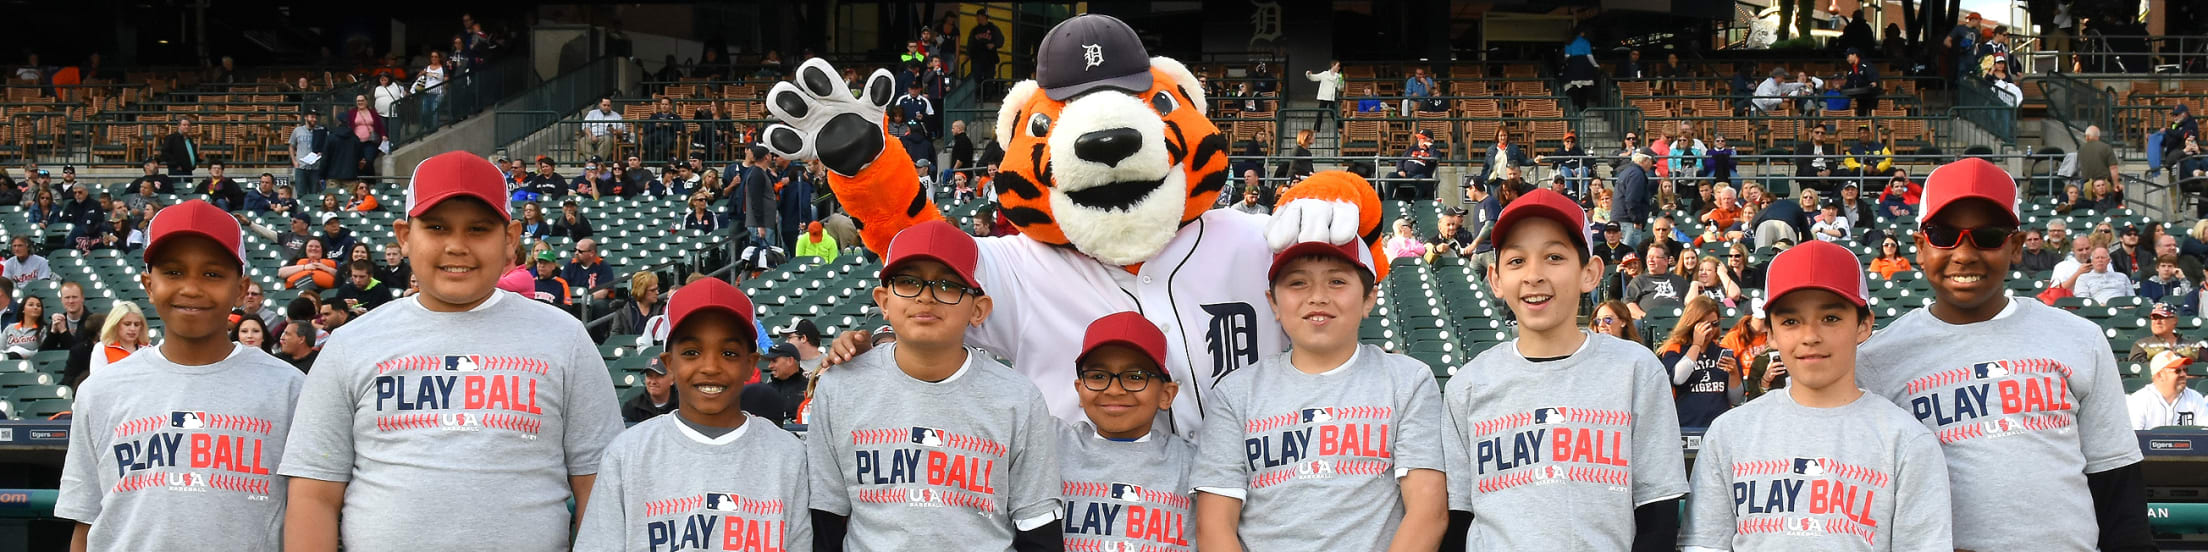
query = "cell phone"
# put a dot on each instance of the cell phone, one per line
(1778, 381)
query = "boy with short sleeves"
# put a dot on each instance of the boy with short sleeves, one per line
(924, 443)
(171, 449)
(2023, 397)
(666, 484)
(1335, 445)
(1819, 464)
(422, 429)
(1126, 485)
(1568, 439)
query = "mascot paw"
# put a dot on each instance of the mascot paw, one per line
(820, 118)
(1307, 220)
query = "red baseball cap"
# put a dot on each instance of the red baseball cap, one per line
(1545, 203)
(1355, 252)
(1970, 178)
(711, 294)
(934, 240)
(1128, 329)
(456, 174)
(1816, 264)
(195, 218)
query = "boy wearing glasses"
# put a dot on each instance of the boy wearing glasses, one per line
(1126, 486)
(925, 442)
(2023, 397)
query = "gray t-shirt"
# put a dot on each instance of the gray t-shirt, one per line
(1776, 475)
(972, 459)
(1127, 495)
(1657, 291)
(662, 486)
(170, 457)
(1555, 464)
(2024, 405)
(442, 430)
(1317, 458)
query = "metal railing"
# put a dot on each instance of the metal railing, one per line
(563, 94)
(2077, 102)
(1980, 105)
(424, 111)
(717, 142)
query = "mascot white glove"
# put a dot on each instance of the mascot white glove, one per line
(821, 119)
(1307, 220)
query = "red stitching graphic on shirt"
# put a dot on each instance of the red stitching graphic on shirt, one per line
(1500, 423)
(139, 481)
(140, 425)
(481, 362)
(673, 505)
(1270, 423)
(973, 444)
(241, 484)
(397, 422)
(512, 422)
(1097, 490)
(2023, 422)
(1093, 544)
(1599, 417)
(240, 423)
(1169, 500)
(1839, 526)
(1938, 380)
(2036, 365)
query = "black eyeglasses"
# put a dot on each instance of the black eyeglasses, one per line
(1984, 237)
(1133, 382)
(947, 292)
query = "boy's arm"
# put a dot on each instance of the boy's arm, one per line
(310, 514)
(1217, 521)
(1922, 518)
(1456, 405)
(1656, 526)
(1425, 511)
(829, 505)
(2112, 459)
(600, 528)
(797, 514)
(1422, 456)
(580, 486)
(1035, 499)
(1220, 476)
(1659, 468)
(593, 415)
(1710, 515)
(78, 537)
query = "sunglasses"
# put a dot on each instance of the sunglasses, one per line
(1983, 237)
(1605, 321)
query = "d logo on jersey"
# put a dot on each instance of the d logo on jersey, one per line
(1812, 467)
(1126, 492)
(1549, 416)
(460, 363)
(926, 436)
(1231, 337)
(2185, 419)
(1988, 370)
(188, 420)
(1316, 415)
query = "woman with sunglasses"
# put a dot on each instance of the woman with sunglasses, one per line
(1889, 259)
(1740, 269)
(1611, 318)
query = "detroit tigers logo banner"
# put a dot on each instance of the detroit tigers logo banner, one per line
(1231, 337)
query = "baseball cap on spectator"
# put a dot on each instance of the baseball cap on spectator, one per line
(1968, 179)
(547, 255)
(1127, 329)
(2162, 310)
(1452, 211)
(813, 229)
(1545, 203)
(2129, 230)
(456, 174)
(68, 169)
(1817, 264)
(2178, 109)
(654, 366)
(802, 327)
(1611, 227)
(1629, 257)
(1354, 253)
(781, 350)
(1571, 135)
(711, 294)
(933, 240)
(2169, 359)
(195, 218)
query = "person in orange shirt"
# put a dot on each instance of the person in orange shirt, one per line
(312, 271)
(1889, 259)
(363, 200)
(1724, 214)
(123, 333)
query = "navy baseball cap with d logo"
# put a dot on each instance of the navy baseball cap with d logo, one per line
(1088, 52)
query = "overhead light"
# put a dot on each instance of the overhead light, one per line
(162, 41)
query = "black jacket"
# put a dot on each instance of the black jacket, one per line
(178, 157)
(640, 408)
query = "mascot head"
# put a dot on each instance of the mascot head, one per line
(1107, 150)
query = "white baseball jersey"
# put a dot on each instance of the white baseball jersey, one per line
(2149, 411)
(1205, 290)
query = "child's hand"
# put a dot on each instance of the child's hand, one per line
(848, 346)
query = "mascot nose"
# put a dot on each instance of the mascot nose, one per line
(1108, 146)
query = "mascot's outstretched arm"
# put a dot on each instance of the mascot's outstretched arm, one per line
(867, 168)
(1330, 206)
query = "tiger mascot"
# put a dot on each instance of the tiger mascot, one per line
(1110, 172)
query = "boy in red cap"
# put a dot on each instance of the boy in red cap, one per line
(414, 424)
(1819, 464)
(924, 443)
(1566, 439)
(231, 403)
(2023, 397)
(665, 484)
(1335, 445)
(1126, 485)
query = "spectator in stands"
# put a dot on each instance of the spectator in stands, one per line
(1713, 281)
(643, 304)
(1861, 82)
(335, 237)
(1857, 210)
(43, 211)
(658, 396)
(601, 129)
(2099, 281)
(1705, 377)
(1617, 281)
(2168, 400)
(1418, 91)
(2037, 256)
(1630, 205)
(358, 254)
(1613, 319)
(1740, 266)
(262, 195)
(1815, 161)
(1724, 213)
(153, 176)
(1612, 248)
(254, 305)
(1631, 67)
(587, 184)
(1330, 85)
(1830, 226)
(981, 47)
(331, 315)
(308, 142)
(1404, 242)
(793, 196)
(64, 328)
(917, 108)
(2097, 158)
(1869, 159)
(1451, 237)
(1785, 220)
(533, 225)
(387, 94)
(2161, 336)
(759, 211)
(2081, 258)
(295, 344)
(660, 131)
(1657, 290)
(22, 266)
(1889, 259)
(700, 217)
(368, 135)
(1571, 162)
(250, 332)
(586, 268)
(179, 151)
(777, 398)
(429, 84)
(1417, 166)
(311, 272)
(1771, 94)
(226, 193)
(817, 243)
(123, 333)
(572, 223)
(2173, 137)
(1502, 155)
(2127, 257)
(547, 284)
(361, 292)
(1580, 69)
(2100, 198)
(2168, 285)
(1899, 200)
(23, 338)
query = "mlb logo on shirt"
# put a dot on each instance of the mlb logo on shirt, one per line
(1316, 415)
(1127, 492)
(720, 502)
(1988, 370)
(927, 436)
(460, 363)
(188, 420)
(1812, 467)
(1549, 416)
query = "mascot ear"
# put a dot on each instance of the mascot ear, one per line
(1184, 79)
(1014, 101)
